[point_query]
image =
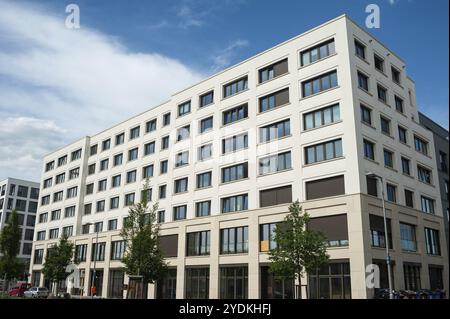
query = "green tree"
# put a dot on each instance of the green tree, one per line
(59, 256)
(143, 256)
(299, 249)
(10, 266)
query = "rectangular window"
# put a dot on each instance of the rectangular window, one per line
(206, 125)
(114, 203)
(58, 196)
(80, 253)
(198, 243)
(235, 143)
(163, 167)
(234, 240)
(133, 154)
(197, 283)
(366, 115)
(89, 189)
(395, 75)
(92, 151)
(183, 133)
(49, 166)
(274, 131)
(273, 71)
(323, 152)
(120, 138)
(234, 203)
(166, 119)
(72, 192)
(399, 104)
(40, 235)
(274, 100)
(317, 52)
(116, 180)
(131, 176)
(182, 159)
(162, 191)
(98, 252)
(321, 117)
(325, 187)
(207, 99)
(179, 212)
(203, 208)
(56, 214)
(382, 93)
(332, 281)
(98, 227)
(233, 282)
(319, 84)
(423, 174)
(275, 163)
(161, 216)
(74, 173)
(235, 87)
(388, 158)
(60, 178)
(54, 233)
(379, 63)
(443, 161)
(149, 148)
(38, 256)
(165, 142)
(267, 237)
(63, 159)
(106, 144)
(391, 191)
(205, 152)
(87, 209)
(411, 273)
(427, 205)
(43, 217)
(118, 159)
(235, 172)
(402, 135)
(117, 249)
(235, 114)
(204, 180)
(69, 212)
(432, 242)
(147, 171)
(100, 206)
(406, 166)
(184, 108)
(104, 164)
(67, 231)
(85, 229)
(47, 183)
(275, 196)
(102, 185)
(369, 150)
(363, 81)
(420, 145)
(129, 199)
(91, 169)
(21, 205)
(76, 155)
(385, 125)
(409, 198)
(360, 50)
(377, 231)
(408, 237)
(134, 132)
(181, 185)
(150, 126)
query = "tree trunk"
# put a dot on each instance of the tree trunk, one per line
(299, 289)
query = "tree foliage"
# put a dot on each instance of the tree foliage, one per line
(299, 249)
(10, 266)
(59, 256)
(143, 256)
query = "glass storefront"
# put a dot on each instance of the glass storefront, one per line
(332, 281)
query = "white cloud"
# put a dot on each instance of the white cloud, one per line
(188, 19)
(69, 83)
(222, 58)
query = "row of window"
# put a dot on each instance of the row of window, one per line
(75, 155)
(22, 191)
(21, 205)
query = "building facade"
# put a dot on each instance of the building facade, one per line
(307, 119)
(440, 136)
(22, 196)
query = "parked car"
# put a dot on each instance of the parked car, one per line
(19, 289)
(36, 292)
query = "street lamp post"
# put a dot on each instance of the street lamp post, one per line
(94, 272)
(388, 256)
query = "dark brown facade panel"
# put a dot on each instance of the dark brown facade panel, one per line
(333, 227)
(325, 187)
(169, 245)
(275, 196)
(280, 68)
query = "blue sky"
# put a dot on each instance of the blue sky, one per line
(50, 75)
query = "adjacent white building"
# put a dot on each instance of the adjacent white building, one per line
(22, 196)
(307, 119)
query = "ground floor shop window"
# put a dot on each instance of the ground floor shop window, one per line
(436, 281)
(411, 272)
(331, 281)
(273, 287)
(234, 282)
(167, 287)
(197, 283)
(115, 286)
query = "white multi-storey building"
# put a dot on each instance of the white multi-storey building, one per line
(22, 196)
(307, 119)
